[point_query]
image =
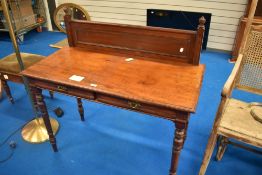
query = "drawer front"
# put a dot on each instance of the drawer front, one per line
(69, 90)
(136, 106)
(152, 109)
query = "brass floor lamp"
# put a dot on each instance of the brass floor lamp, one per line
(34, 131)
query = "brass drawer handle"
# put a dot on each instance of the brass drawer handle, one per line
(62, 88)
(133, 105)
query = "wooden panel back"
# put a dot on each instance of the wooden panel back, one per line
(158, 43)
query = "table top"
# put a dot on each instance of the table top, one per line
(175, 86)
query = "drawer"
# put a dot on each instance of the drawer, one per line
(152, 109)
(65, 89)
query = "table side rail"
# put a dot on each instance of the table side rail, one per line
(11, 77)
(151, 109)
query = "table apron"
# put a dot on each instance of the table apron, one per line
(151, 109)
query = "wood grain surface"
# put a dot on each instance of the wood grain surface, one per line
(175, 86)
(171, 45)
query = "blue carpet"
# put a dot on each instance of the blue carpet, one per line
(113, 141)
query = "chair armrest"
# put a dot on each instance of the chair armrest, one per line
(226, 92)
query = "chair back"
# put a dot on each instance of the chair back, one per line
(250, 74)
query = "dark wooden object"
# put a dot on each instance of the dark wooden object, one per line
(51, 8)
(242, 25)
(160, 44)
(258, 12)
(162, 80)
(239, 36)
(7, 90)
(80, 109)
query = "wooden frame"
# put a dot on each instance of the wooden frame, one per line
(64, 6)
(169, 45)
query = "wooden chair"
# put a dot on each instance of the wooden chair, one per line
(234, 117)
(9, 70)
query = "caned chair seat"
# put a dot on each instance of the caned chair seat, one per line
(9, 64)
(232, 124)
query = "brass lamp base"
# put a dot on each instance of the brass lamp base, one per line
(35, 131)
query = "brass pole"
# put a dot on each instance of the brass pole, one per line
(34, 131)
(12, 34)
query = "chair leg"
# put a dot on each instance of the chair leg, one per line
(222, 145)
(213, 137)
(7, 91)
(80, 109)
(51, 93)
(208, 153)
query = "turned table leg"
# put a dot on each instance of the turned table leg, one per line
(178, 143)
(37, 95)
(7, 91)
(51, 94)
(80, 109)
(185, 135)
(32, 90)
